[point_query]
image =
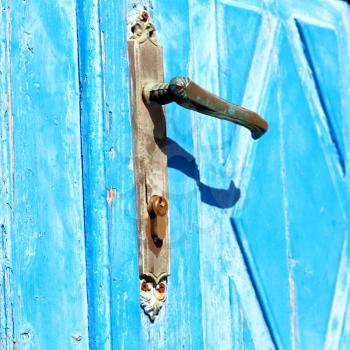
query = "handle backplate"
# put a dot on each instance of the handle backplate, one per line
(150, 167)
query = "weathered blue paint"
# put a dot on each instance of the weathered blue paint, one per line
(259, 231)
(114, 312)
(43, 251)
(183, 315)
(294, 198)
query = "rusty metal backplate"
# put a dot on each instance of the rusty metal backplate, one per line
(150, 159)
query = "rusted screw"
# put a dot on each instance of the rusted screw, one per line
(145, 287)
(161, 288)
(144, 15)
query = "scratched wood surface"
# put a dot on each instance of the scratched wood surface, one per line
(259, 231)
(43, 283)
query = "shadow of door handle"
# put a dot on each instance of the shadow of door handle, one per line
(188, 94)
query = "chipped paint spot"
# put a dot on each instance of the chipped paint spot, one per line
(111, 196)
(26, 335)
(77, 337)
(30, 251)
(111, 153)
(103, 47)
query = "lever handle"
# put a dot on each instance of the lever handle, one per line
(188, 94)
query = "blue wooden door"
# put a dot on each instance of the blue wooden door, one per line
(259, 251)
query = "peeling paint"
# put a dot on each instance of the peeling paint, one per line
(111, 153)
(26, 335)
(41, 164)
(111, 196)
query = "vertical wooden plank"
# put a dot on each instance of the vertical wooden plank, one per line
(6, 181)
(179, 323)
(113, 282)
(95, 192)
(125, 306)
(212, 219)
(48, 269)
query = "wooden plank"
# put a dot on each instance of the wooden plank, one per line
(48, 280)
(95, 192)
(125, 318)
(6, 184)
(110, 215)
(179, 324)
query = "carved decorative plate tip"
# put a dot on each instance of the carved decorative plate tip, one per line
(152, 297)
(142, 27)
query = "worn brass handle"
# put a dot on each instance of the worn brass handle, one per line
(188, 94)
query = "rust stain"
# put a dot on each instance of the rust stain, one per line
(144, 15)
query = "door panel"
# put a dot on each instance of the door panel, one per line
(289, 190)
(324, 65)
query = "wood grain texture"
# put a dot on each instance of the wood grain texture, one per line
(179, 323)
(95, 191)
(6, 187)
(45, 284)
(110, 215)
(221, 255)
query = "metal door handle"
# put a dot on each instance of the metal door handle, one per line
(188, 94)
(148, 92)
